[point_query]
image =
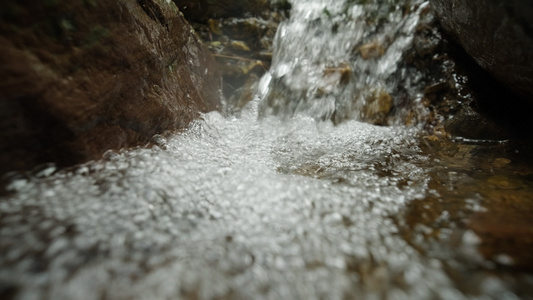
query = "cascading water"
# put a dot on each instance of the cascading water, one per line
(240, 208)
(338, 60)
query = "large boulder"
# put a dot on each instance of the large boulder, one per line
(81, 77)
(498, 34)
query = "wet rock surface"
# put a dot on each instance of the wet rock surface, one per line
(497, 34)
(479, 146)
(461, 98)
(240, 35)
(82, 77)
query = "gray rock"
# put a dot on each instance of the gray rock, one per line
(497, 34)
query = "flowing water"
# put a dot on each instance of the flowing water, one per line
(297, 197)
(338, 60)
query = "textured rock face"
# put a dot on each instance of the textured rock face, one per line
(498, 34)
(81, 77)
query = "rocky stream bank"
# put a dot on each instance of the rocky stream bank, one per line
(83, 77)
(358, 151)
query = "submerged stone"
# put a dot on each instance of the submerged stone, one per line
(378, 105)
(240, 36)
(371, 50)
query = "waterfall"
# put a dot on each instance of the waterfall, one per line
(339, 60)
(299, 197)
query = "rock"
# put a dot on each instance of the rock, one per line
(337, 75)
(497, 34)
(194, 10)
(471, 125)
(240, 34)
(201, 10)
(462, 99)
(371, 50)
(82, 77)
(378, 105)
(239, 46)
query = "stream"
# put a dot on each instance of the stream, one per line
(299, 195)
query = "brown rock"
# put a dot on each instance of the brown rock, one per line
(371, 50)
(378, 105)
(82, 77)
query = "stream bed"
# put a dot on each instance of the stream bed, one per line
(298, 195)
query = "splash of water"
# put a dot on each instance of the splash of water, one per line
(223, 211)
